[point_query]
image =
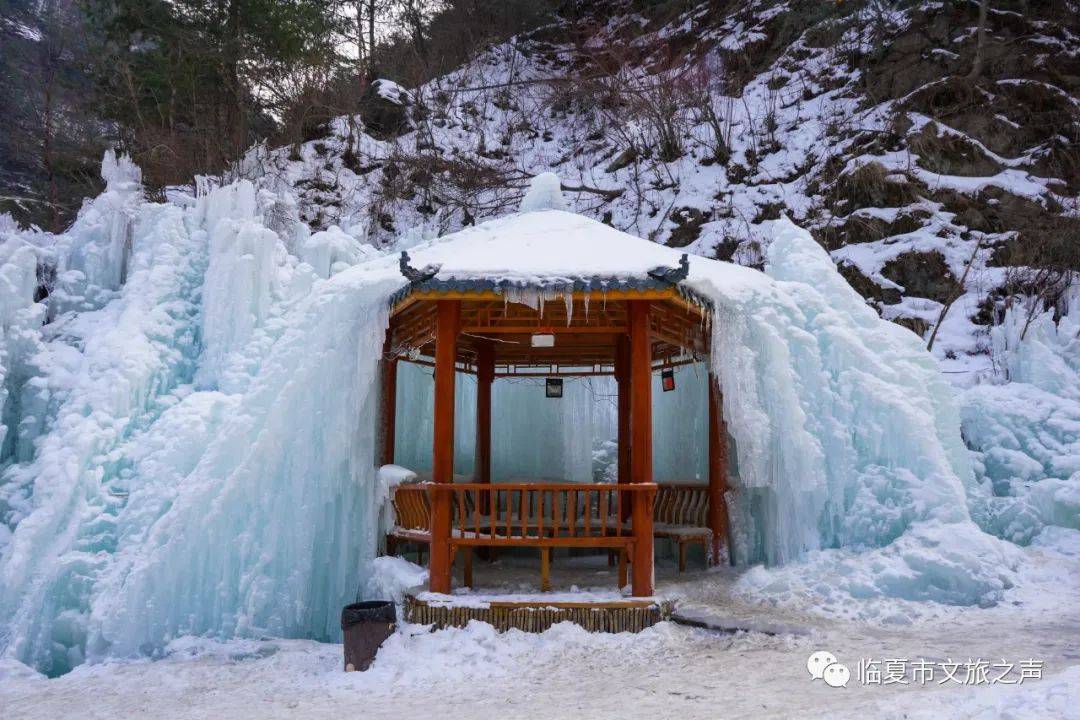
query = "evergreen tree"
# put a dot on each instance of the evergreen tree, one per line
(195, 82)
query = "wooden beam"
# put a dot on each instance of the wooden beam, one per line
(541, 327)
(537, 371)
(597, 298)
(447, 323)
(598, 295)
(718, 480)
(388, 403)
(641, 469)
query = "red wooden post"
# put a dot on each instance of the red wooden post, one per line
(622, 379)
(485, 376)
(641, 465)
(388, 404)
(718, 464)
(442, 469)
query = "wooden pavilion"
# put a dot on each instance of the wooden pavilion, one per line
(628, 327)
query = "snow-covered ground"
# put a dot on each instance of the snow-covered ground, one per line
(667, 671)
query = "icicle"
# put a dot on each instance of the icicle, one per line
(524, 296)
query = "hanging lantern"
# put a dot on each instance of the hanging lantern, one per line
(553, 387)
(667, 379)
(543, 340)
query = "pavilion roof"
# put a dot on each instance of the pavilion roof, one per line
(551, 251)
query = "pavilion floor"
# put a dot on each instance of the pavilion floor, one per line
(700, 596)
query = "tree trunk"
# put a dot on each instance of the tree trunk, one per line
(371, 39)
(236, 97)
(955, 296)
(361, 48)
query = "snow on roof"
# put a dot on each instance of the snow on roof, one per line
(551, 247)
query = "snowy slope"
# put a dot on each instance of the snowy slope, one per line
(856, 124)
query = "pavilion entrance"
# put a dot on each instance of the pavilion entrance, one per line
(630, 333)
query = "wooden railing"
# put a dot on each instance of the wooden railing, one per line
(589, 508)
(549, 514)
(542, 514)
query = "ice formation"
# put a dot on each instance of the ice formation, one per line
(1027, 432)
(183, 475)
(20, 318)
(842, 419)
(194, 430)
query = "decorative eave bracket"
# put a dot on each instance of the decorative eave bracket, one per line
(413, 275)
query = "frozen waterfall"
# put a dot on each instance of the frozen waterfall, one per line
(189, 441)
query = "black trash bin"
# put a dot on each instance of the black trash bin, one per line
(365, 626)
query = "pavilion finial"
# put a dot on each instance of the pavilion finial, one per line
(545, 193)
(672, 274)
(413, 275)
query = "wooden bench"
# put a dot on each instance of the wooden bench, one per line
(545, 516)
(412, 518)
(541, 515)
(412, 523)
(570, 517)
(412, 512)
(681, 514)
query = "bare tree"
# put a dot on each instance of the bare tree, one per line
(956, 295)
(980, 42)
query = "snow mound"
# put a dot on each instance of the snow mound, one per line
(949, 564)
(392, 577)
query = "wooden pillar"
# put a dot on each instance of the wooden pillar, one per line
(641, 466)
(388, 405)
(718, 465)
(545, 569)
(622, 380)
(442, 468)
(485, 376)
